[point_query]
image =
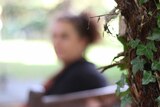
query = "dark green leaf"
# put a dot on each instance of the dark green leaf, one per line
(151, 46)
(149, 54)
(126, 98)
(158, 101)
(122, 81)
(150, 13)
(141, 49)
(143, 1)
(118, 90)
(137, 65)
(120, 84)
(156, 65)
(158, 6)
(123, 41)
(144, 50)
(148, 78)
(155, 36)
(158, 22)
(134, 43)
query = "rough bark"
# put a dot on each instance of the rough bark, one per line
(139, 25)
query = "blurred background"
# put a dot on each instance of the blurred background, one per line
(27, 57)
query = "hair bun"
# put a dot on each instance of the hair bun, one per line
(86, 26)
(92, 26)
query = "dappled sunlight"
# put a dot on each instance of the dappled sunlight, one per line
(42, 53)
(27, 52)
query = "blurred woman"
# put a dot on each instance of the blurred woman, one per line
(71, 36)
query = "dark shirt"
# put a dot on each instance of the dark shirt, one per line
(79, 76)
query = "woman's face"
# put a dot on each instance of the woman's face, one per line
(67, 42)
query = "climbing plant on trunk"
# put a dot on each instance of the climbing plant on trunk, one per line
(141, 55)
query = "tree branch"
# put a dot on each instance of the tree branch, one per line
(109, 66)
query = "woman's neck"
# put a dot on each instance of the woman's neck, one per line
(67, 63)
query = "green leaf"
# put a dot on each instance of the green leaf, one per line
(158, 22)
(122, 81)
(148, 78)
(134, 43)
(156, 65)
(118, 90)
(141, 50)
(126, 98)
(155, 36)
(120, 84)
(137, 65)
(123, 40)
(145, 50)
(158, 100)
(150, 13)
(151, 46)
(143, 1)
(158, 6)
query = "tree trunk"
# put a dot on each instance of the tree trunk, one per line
(139, 25)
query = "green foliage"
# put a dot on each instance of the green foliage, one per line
(158, 100)
(143, 1)
(148, 78)
(158, 6)
(158, 22)
(151, 46)
(134, 43)
(146, 50)
(150, 13)
(137, 64)
(126, 98)
(155, 36)
(123, 41)
(143, 50)
(156, 65)
(120, 84)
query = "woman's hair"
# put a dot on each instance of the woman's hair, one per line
(85, 26)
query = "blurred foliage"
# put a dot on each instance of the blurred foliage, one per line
(29, 19)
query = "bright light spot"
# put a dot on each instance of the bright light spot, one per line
(109, 4)
(27, 52)
(1, 24)
(1, 9)
(102, 55)
(49, 3)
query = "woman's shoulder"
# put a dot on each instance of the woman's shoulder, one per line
(84, 65)
(88, 74)
(87, 68)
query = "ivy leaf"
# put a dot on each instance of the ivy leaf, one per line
(148, 78)
(158, 22)
(141, 49)
(149, 54)
(137, 64)
(122, 81)
(156, 65)
(151, 46)
(123, 40)
(134, 43)
(158, 6)
(120, 84)
(118, 90)
(144, 50)
(158, 100)
(155, 36)
(143, 1)
(126, 99)
(150, 13)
